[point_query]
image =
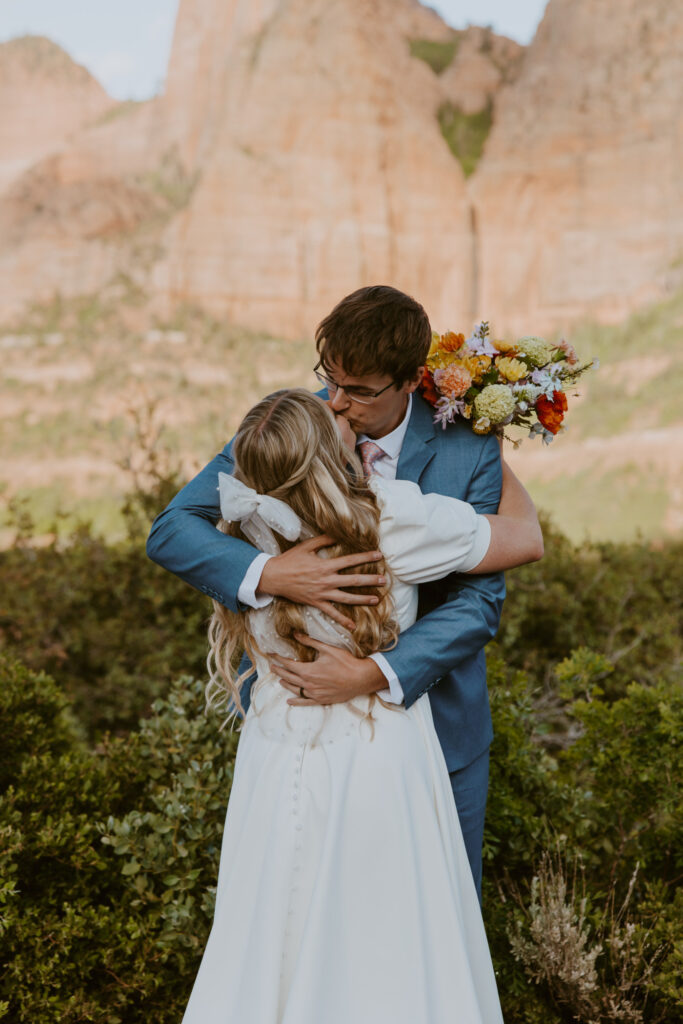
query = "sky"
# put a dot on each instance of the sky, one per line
(126, 43)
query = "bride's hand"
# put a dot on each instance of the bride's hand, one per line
(301, 576)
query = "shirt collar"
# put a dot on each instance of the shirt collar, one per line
(392, 443)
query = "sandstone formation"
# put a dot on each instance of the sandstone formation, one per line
(322, 164)
(44, 98)
(579, 197)
(85, 191)
(483, 63)
(296, 154)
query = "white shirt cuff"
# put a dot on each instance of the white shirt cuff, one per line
(481, 542)
(249, 585)
(394, 692)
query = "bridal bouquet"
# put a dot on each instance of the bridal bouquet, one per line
(495, 383)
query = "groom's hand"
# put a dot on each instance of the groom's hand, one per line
(303, 577)
(335, 676)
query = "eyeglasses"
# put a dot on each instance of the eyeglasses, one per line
(363, 397)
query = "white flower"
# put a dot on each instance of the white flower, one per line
(546, 435)
(547, 381)
(448, 409)
(479, 343)
(526, 392)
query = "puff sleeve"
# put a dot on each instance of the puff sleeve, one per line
(425, 537)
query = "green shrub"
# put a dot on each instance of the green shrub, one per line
(606, 811)
(108, 859)
(622, 600)
(439, 55)
(108, 625)
(464, 133)
(59, 916)
(109, 846)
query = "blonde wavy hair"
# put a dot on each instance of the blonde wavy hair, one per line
(288, 446)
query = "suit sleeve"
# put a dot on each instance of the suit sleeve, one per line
(469, 616)
(185, 541)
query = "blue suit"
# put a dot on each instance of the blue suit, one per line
(443, 652)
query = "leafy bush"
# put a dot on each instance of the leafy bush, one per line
(110, 627)
(108, 859)
(110, 845)
(607, 947)
(623, 601)
(465, 133)
(438, 54)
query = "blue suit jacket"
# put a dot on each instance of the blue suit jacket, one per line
(443, 652)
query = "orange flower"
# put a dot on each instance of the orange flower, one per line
(550, 414)
(451, 342)
(454, 381)
(428, 388)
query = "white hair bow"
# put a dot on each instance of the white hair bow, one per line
(258, 514)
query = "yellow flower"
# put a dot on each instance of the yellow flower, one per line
(435, 345)
(510, 369)
(509, 348)
(494, 403)
(482, 426)
(477, 366)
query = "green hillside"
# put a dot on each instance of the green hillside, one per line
(89, 383)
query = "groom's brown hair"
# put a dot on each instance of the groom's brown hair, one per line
(376, 330)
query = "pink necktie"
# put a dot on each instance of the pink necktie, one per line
(369, 454)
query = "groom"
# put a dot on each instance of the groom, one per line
(372, 348)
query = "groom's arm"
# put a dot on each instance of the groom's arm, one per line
(470, 615)
(184, 538)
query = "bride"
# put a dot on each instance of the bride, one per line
(344, 892)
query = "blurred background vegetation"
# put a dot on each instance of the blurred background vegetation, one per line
(82, 377)
(114, 784)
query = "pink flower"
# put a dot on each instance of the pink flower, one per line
(569, 352)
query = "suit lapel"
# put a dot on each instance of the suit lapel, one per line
(417, 451)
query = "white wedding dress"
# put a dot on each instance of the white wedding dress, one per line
(344, 892)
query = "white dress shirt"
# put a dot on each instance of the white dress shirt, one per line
(385, 466)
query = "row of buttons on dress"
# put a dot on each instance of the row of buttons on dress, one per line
(296, 866)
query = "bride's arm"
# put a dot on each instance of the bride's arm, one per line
(426, 537)
(516, 535)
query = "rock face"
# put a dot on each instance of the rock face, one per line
(322, 164)
(483, 63)
(579, 197)
(44, 98)
(296, 155)
(86, 183)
